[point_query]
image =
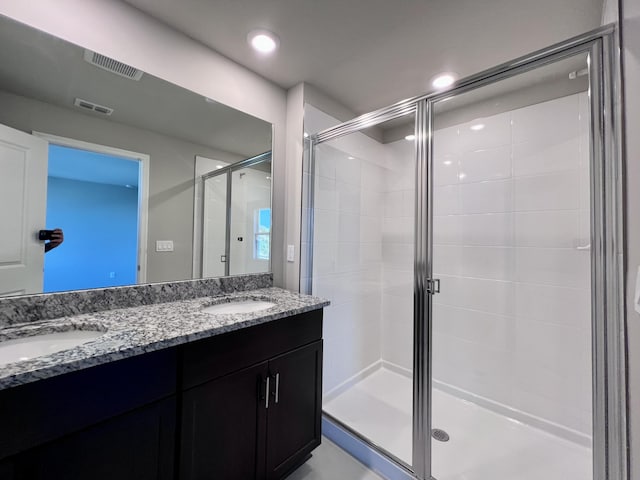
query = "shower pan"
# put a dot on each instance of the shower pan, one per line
(469, 243)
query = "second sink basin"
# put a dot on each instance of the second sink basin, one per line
(32, 346)
(238, 306)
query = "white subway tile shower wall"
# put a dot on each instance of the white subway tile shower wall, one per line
(398, 255)
(511, 232)
(347, 262)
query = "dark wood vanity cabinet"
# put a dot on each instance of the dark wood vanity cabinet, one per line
(138, 445)
(116, 420)
(257, 421)
(241, 405)
(295, 410)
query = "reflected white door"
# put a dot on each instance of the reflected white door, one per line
(214, 236)
(23, 196)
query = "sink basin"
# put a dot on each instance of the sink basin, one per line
(29, 347)
(238, 306)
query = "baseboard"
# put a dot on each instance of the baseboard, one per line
(394, 367)
(351, 381)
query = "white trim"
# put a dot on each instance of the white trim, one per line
(517, 415)
(394, 367)
(196, 258)
(534, 421)
(351, 381)
(143, 187)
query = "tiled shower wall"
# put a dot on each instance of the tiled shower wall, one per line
(511, 235)
(398, 223)
(347, 254)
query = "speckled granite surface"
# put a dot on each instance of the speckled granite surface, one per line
(147, 328)
(33, 308)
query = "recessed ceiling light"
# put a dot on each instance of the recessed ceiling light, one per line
(350, 158)
(268, 177)
(443, 80)
(447, 162)
(410, 137)
(477, 126)
(218, 166)
(263, 41)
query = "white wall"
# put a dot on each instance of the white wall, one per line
(294, 153)
(511, 201)
(118, 30)
(300, 98)
(171, 191)
(630, 21)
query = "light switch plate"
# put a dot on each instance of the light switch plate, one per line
(291, 253)
(164, 245)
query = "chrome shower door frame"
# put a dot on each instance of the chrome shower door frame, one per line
(610, 436)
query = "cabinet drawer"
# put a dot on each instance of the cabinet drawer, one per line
(214, 357)
(48, 409)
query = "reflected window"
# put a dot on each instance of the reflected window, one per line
(262, 233)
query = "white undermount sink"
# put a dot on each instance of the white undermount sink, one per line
(28, 347)
(238, 306)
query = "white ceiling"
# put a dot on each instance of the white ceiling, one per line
(370, 53)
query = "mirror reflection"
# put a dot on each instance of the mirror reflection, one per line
(123, 172)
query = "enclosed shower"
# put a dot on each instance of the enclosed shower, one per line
(232, 216)
(467, 242)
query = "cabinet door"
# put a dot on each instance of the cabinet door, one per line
(223, 427)
(135, 446)
(295, 408)
(6, 470)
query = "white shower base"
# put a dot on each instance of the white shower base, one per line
(482, 444)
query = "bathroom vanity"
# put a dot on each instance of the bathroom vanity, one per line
(170, 392)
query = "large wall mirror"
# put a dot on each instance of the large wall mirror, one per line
(146, 181)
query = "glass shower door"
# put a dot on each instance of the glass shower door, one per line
(511, 342)
(363, 200)
(250, 236)
(214, 221)
(236, 218)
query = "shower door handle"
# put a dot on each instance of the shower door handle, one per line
(433, 285)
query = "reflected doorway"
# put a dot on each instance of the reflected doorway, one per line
(96, 196)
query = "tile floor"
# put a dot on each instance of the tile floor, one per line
(482, 443)
(329, 462)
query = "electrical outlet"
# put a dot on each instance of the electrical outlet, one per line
(164, 245)
(291, 253)
(112, 274)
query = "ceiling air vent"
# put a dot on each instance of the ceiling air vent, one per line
(94, 107)
(112, 65)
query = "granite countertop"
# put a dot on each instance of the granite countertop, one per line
(137, 330)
